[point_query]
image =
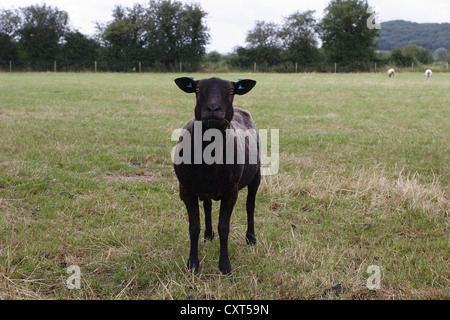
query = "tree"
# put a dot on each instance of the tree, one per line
(345, 35)
(264, 43)
(166, 32)
(41, 32)
(167, 18)
(398, 59)
(264, 34)
(9, 26)
(298, 38)
(213, 57)
(440, 54)
(78, 51)
(180, 32)
(417, 54)
(195, 35)
(124, 38)
(10, 22)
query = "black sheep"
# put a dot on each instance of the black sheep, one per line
(220, 180)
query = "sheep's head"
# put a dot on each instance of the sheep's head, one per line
(214, 99)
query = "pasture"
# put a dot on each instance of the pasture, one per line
(86, 179)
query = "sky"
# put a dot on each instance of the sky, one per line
(230, 20)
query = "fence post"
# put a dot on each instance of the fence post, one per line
(375, 67)
(10, 66)
(95, 66)
(446, 66)
(296, 67)
(54, 66)
(335, 67)
(254, 66)
(181, 67)
(140, 66)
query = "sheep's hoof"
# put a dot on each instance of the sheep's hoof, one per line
(209, 237)
(193, 265)
(226, 271)
(225, 267)
(251, 239)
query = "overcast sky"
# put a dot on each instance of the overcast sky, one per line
(229, 20)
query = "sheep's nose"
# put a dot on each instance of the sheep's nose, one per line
(212, 107)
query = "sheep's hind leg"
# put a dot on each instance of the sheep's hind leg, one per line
(251, 196)
(209, 233)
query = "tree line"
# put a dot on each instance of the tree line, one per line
(346, 40)
(166, 35)
(159, 35)
(348, 37)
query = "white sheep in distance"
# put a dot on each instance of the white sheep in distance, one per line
(428, 74)
(391, 72)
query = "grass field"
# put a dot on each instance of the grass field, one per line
(86, 179)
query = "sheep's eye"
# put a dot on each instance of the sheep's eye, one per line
(197, 90)
(232, 91)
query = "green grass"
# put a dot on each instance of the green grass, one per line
(86, 179)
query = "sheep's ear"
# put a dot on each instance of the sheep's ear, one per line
(243, 86)
(186, 84)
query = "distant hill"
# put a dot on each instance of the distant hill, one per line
(400, 33)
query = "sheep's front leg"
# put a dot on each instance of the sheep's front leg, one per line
(191, 203)
(226, 208)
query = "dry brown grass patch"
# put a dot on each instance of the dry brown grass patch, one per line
(373, 186)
